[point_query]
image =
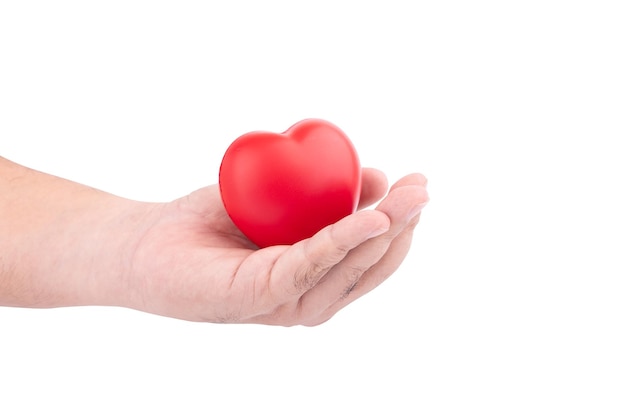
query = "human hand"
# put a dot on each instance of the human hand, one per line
(188, 260)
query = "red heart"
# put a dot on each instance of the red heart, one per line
(282, 188)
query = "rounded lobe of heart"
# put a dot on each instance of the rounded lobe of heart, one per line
(282, 188)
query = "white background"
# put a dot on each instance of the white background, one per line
(512, 300)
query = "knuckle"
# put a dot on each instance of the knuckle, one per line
(318, 260)
(352, 276)
(306, 278)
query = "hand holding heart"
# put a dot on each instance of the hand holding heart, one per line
(197, 262)
(68, 244)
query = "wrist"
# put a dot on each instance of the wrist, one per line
(62, 243)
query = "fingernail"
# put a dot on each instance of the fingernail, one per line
(416, 209)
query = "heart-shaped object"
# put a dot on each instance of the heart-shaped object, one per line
(280, 188)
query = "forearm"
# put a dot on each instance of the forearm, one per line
(60, 242)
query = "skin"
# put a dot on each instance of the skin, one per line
(66, 244)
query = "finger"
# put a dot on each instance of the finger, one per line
(413, 179)
(376, 275)
(306, 262)
(401, 207)
(374, 185)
